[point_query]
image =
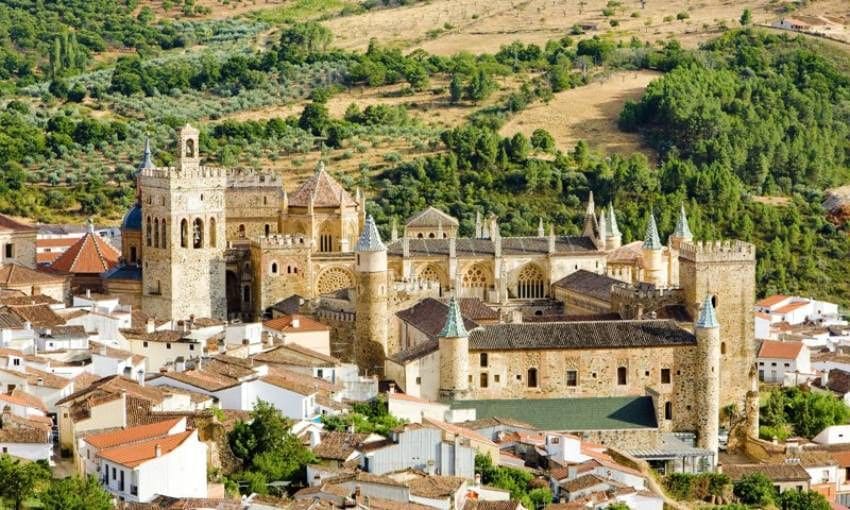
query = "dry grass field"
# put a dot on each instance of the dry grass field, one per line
(586, 113)
(449, 26)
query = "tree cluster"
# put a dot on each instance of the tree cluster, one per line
(800, 412)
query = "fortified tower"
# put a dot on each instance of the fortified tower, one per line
(725, 271)
(653, 256)
(183, 236)
(707, 331)
(370, 342)
(454, 355)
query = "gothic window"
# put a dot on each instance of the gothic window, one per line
(333, 279)
(213, 237)
(148, 231)
(241, 231)
(326, 243)
(431, 273)
(198, 233)
(482, 360)
(622, 380)
(532, 378)
(184, 233)
(164, 234)
(190, 148)
(274, 268)
(156, 232)
(477, 276)
(419, 235)
(530, 283)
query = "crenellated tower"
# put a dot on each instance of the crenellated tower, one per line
(372, 311)
(183, 239)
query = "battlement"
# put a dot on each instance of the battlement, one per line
(718, 251)
(252, 178)
(626, 292)
(637, 302)
(183, 174)
(416, 285)
(276, 241)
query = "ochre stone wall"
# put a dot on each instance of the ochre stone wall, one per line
(292, 276)
(251, 208)
(372, 322)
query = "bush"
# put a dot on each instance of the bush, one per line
(755, 489)
(687, 487)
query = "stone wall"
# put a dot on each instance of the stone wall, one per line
(626, 439)
(23, 248)
(342, 326)
(280, 270)
(370, 344)
(251, 207)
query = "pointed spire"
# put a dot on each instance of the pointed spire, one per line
(551, 240)
(320, 166)
(370, 239)
(591, 206)
(454, 327)
(707, 317)
(613, 229)
(651, 241)
(541, 230)
(602, 226)
(394, 231)
(90, 226)
(591, 225)
(683, 230)
(479, 229)
(147, 161)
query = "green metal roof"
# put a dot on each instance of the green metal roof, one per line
(569, 414)
(683, 230)
(454, 327)
(707, 317)
(651, 240)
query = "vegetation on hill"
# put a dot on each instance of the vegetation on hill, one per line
(793, 411)
(29, 485)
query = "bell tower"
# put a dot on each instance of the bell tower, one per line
(183, 237)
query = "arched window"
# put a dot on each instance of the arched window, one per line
(190, 148)
(530, 283)
(198, 233)
(156, 232)
(622, 378)
(241, 231)
(432, 273)
(184, 233)
(267, 229)
(532, 378)
(668, 410)
(419, 235)
(132, 254)
(148, 231)
(164, 235)
(274, 268)
(476, 276)
(431, 235)
(213, 236)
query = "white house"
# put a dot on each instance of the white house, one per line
(162, 348)
(62, 338)
(16, 334)
(416, 370)
(835, 434)
(91, 444)
(175, 466)
(24, 438)
(795, 310)
(301, 330)
(784, 363)
(106, 361)
(248, 335)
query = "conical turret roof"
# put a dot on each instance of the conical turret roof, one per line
(454, 327)
(370, 238)
(147, 159)
(651, 240)
(611, 220)
(682, 228)
(707, 317)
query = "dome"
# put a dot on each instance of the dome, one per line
(133, 219)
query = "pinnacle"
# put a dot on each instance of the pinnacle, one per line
(651, 241)
(683, 230)
(707, 316)
(370, 239)
(454, 327)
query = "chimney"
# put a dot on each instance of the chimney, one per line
(141, 377)
(150, 325)
(824, 378)
(516, 316)
(40, 381)
(296, 322)
(157, 450)
(391, 388)
(88, 293)
(477, 480)
(36, 290)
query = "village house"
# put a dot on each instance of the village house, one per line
(422, 447)
(25, 438)
(785, 363)
(300, 330)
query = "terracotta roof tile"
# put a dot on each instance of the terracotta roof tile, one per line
(429, 316)
(138, 453)
(589, 283)
(780, 350)
(338, 445)
(131, 434)
(15, 274)
(41, 316)
(435, 486)
(294, 354)
(21, 398)
(7, 224)
(324, 189)
(38, 299)
(37, 377)
(790, 307)
(771, 300)
(776, 472)
(91, 254)
(284, 324)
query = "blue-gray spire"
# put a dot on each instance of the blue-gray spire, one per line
(651, 241)
(613, 229)
(147, 161)
(683, 230)
(370, 239)
(454, 327)
(707, 317)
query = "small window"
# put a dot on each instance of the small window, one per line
(519, 377)
(496, 378)
(787, 365)
(168, 346)
(482, 360)
(532, 377)
(16, 362)
(418, 381)
(145, 344)
(722, 347)
(665, 376)
(191, 347)
(622, 376)
(483, 380)
(668, 410)
(9, 250)
(274, 268)
(572, 378)
(469, 379)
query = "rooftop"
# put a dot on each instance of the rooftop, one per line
(429, 317)
(570, 414)
(7, 224)
(131, 434)
(431, 217)
(284, 323)
(588, 283)
(134, 455)
(484, 247)
(780, 350)
(91, 254)
(324, 190)
(782, 472)
(12, 274)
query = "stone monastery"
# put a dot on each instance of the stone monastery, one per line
(580, 317)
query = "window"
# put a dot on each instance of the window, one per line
(483, 380)
(168, 346)
(665, 376)
(572, 378)
(482, 360)
(532, 377)
(267, 228)
(418, 381)
(164, 234)
(191, 347)
(622, 378)
(787, 365)
(274, 268)
(668, 410)
(184, 233)
(241, 231)
(213, 236)
(9, 250)
(469, 379)
(145, 345)
(114, 474)
(16, 362)
(722, 347)
(496, 378)
(530, 283)
(198, 233)
(148, 241)
(156, 232)
(320, 373)
(246, 294)
(132, 254)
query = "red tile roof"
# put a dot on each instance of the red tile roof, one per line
(132, 434)
(780, 350)
(790, 307)
(90, 255)
(284, 323)
(771, 300)
(20, 398)
(7, 224)
(138, 453)
(15, 274)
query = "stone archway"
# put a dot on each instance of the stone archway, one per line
(333, 279)
(476, 280)
(530, 282)
(433, 273)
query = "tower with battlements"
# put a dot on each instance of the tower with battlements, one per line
(372, 309)
(183, 238)
(725, 271)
